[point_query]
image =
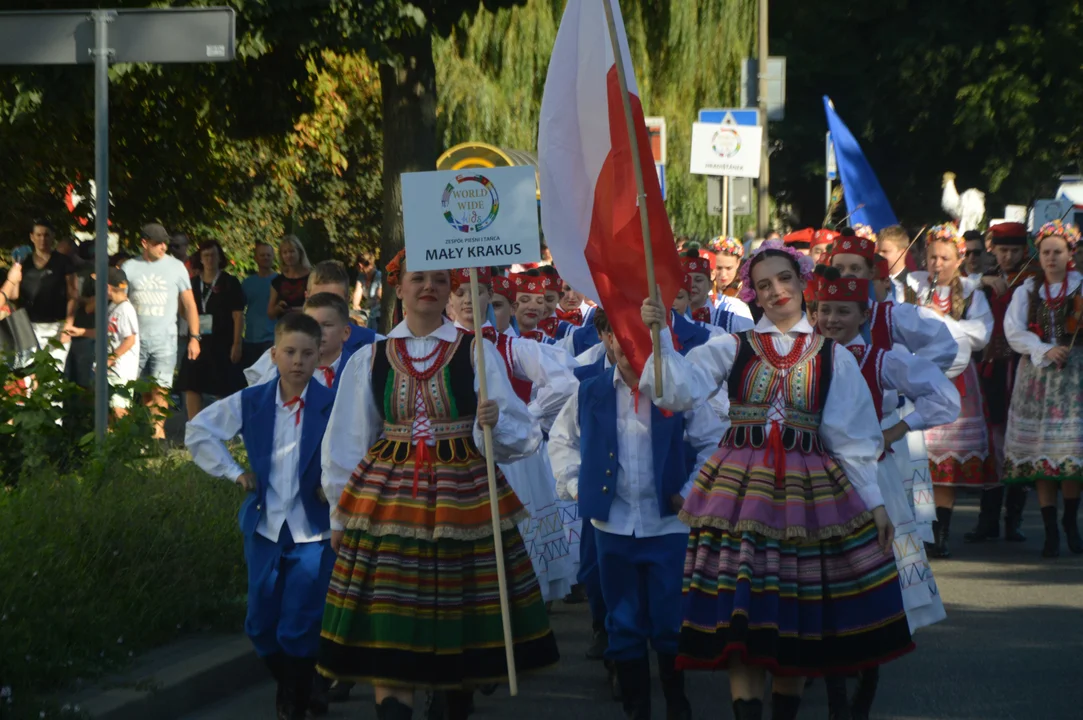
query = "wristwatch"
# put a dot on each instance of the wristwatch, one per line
(196, 337)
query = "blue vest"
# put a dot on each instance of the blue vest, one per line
(585, 372)
(690, 334)
(359, 338)
(258, 411)
(584, 338)
(598, 443)
(347, 353)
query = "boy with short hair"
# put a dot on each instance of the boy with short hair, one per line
(285, 519)
(333, 315)
(625, 462)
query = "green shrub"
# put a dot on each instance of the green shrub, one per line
(93, 572)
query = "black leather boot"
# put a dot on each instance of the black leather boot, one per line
(612, 679)
(392, 709)
(599, 641)
(1051, 548)
(838, 699)
(941, 531)
(988, 527)
(867, 680)
(460, 704)
(748, 710)
(276, 664)
(301, 672)
(1014, 503)
(677, 705)
(784, 707)
(635, 687)
(1071, 526)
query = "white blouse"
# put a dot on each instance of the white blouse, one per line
(924, 333)
(848, 427)
(356, 424)
(1019, 337)
(972, 331)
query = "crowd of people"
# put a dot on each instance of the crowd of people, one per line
(770, 507)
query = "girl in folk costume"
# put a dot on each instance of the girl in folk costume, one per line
(531, 309)
(789, 565)
(700, 309)
(573, 307)
(552, 323)
(728, 254)
(413, 600)
(916, 329)
(541, 377)
(843, 308)
(1044, 442)
(959, 452)
(502, 301)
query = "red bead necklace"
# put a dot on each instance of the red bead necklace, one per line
(409, 362)
(778, 361)
(941, 305)
(1054, 303)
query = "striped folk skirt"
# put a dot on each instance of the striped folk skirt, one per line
(788, 576)
(414, 600)
(959, 453)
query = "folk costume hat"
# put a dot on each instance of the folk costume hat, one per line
(504, 287)
(1008, 234)
(843, 290)
(799, 239)
(812, 288)
(1059, 228)
(823, 237)
(461, 277)
(862, 230)
(727, 246)
(855, 245)
(696, 266)
(948, 234)
(529, 284)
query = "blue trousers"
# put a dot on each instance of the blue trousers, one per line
(641, 583)
(588, 575)
(287, 588)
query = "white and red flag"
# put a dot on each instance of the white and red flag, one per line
(589, 208)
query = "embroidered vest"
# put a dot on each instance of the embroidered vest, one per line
(871, 361)
(754, 383)
(883, 329)
(523, 388)
(998, 348)
(1048, 323)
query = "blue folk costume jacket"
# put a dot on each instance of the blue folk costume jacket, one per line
(359, 338)
(598, 440)
(258, 412)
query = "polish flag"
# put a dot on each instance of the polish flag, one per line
(589, 209)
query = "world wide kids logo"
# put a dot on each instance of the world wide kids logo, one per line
(726, 143)
(470, 203)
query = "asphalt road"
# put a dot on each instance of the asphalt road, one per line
(1010, 649)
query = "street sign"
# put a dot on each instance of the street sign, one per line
(661, 170)
(832, 165)
(714, 195)
(66, 37)
(656, 133)
(740, 196)
(732, 150)
(730, 116)
(101, 37)
(776, 86)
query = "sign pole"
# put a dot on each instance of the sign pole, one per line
(101, 53)
(494, 504)
(644, 220)
(726, 206)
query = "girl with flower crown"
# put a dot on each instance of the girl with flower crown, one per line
(413, 601)
(1044, 437)
(789, 567)
(727, 279)
(958, 453)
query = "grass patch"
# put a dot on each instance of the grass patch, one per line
(91, 573)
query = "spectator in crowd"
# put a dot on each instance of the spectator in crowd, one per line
(178, 248)
(368, 291)
(216, 369)
(157, 284)
(44, 284)
(975, 254)
(123, 328)
(80, 365)
(288, 288)
(259, 328)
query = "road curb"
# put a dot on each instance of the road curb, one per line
(176, 680)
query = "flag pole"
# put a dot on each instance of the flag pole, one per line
(641, 193)
(494, 503)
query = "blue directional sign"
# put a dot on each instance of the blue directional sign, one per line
(661, 170)
(730, 116)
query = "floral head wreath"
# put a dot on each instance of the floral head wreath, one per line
(393, 273)
(1059, 228)
(804, 262)
(862, 230)
(727, 246)
(949, 234)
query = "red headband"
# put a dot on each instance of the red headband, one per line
(503, 286)
(811, 288)
(844, 290)
(462, 276)
(696, 265)
(854, 245)
(823, 237)
(529, 284)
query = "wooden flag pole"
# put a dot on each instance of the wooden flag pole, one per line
(641, 193)
(494, 503)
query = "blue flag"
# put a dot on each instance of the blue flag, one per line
(861, 188)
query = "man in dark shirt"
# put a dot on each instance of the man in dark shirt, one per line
(80, 367)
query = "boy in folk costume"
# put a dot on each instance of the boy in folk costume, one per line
(542, 377)
(1044, 438)
(788, 567)
(413, 601)
(958, 453)
(573, 307)
(333, 315)
(821, 243)
(842, 309)
(285, 518)
(625, 462)
(893, 243)
(997, 377)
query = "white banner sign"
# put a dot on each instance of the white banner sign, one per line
(732, 150)
(474, 217)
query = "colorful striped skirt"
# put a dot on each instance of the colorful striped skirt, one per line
(414, 600)
(787, 575)
(1044, 438)
(959, 453)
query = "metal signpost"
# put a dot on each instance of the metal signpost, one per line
(725, 116)
(81, 37)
